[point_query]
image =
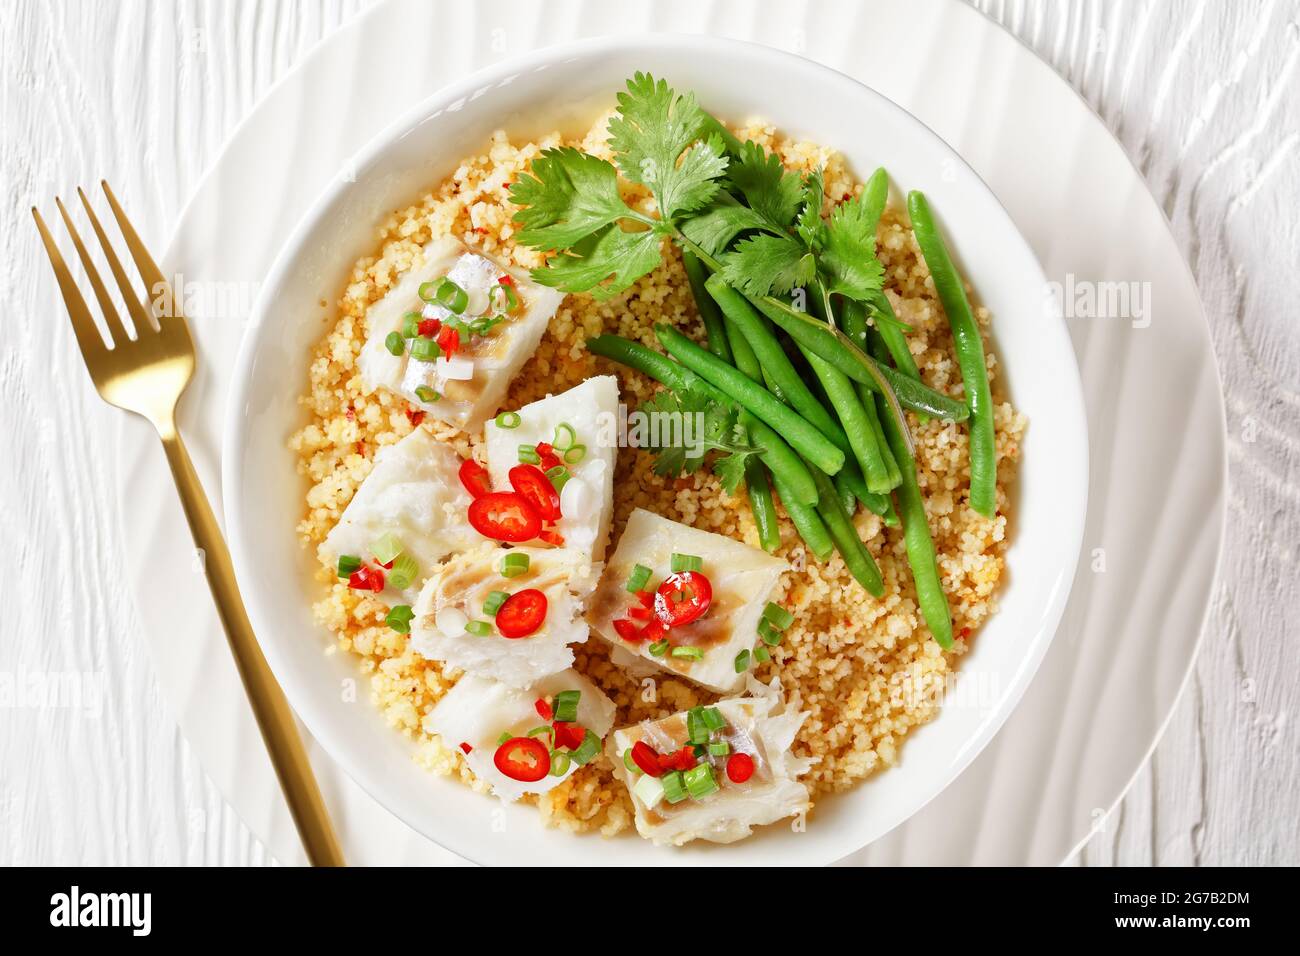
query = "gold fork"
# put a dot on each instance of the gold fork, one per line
(147, 375)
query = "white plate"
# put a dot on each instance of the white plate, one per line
(528, 96)
(1129, 636)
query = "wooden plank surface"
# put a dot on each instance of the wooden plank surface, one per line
(1205, 98)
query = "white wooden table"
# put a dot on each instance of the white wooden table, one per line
(1205, 97)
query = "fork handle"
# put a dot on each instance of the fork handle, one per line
(274, 717)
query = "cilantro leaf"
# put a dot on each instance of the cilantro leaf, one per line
(771, 191)
(809, 225)
(713, 229)
(730, 469)
(568, 196)
(605, 267)
(848, 263)
(683, 428)
(654, 126)
(767, 264)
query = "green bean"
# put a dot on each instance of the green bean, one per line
(774, 362)
(855, 554)
(847, 498)
(911, 393)
(894, 338)
(875, 194)
(708, 309)
(801, 435)
(806, 521)
(862, 438)
(776, 454)
(916, 539)
(970, 355)
(760, 503)
(756, 485)
(854, 322)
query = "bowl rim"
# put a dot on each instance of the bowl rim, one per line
(233, 447)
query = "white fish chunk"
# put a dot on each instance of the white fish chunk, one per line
(760, 725)
(459, 587)
(496, 356)
(742, 579)
(413, 492)
(587, 499)
(477, 711)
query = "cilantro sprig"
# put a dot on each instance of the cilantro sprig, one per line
(730, 203)
(712, 428)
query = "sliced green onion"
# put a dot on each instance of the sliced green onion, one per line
(427, 291)
(649, 791)
(686, 562)
(587, 750)
(402, 575)
(484, 325)
(451, 296)
(770, 635)
(559, 763)
(559, 476)
(512, 299)
(425, 394)
(395, 343)
(719, 748)
(539, 731)
(386, 549)
(658, 648)
(411, 325)
(565, 436)
(508, 420)
(777, 616)
(348, 563)
(424, 350)
(505, 735)
(674, 787)
(638, 578)
(697, 731)
(399, 618)
(514, 564)
(493, 603)
(478, 628)
(691, 653)
(762, 655)
(713, 718)
(629, 762)
(742, 662)
(528, 454)
(564, 707)
(575, 453)
(700, 781)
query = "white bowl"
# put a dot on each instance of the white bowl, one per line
(563, 87)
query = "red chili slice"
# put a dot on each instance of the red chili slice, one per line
(466, 747)
(682, 598)
(522, 613)
(414, 415)
(639, 613)
(551, 537)
(644, 756)
(628, 630)
(506, 280)
(531, 482)
(654, 631)
(523, 758)
(543, 709)
(475, 478)
(647, 599)
(682, 759)
(504, 516)
(366, 579)
(449, 341)
(740, 767)
(428, 328)
(569, 735)
(546, 452)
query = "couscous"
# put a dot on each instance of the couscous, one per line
(861, 670)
